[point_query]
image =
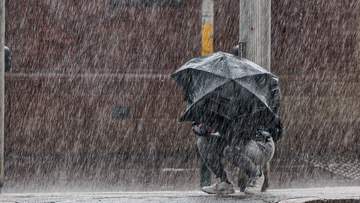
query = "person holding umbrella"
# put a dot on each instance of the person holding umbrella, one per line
(241, 102)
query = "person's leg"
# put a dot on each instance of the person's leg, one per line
(211, 150)
(247, 155)
(237, 156)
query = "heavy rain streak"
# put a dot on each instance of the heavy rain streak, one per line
(90, 104)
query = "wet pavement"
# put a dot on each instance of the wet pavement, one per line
(114, 179)
(275, 195)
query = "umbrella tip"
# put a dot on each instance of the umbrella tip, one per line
(236, 50)
(240, 50)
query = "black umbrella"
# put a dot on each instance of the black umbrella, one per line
(225, 92)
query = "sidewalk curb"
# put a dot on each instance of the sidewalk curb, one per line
(300, 200)
(319, 200)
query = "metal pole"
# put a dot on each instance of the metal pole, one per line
(2, 90)
(207, 47)
(255, 30)
(207, 29)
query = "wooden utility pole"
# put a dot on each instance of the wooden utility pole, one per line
(2, 90)
(207, 47)
(255, 31)
(255, 45)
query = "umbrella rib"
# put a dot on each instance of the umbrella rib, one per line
(244, 115)
(196, 69)
(252, 91)
(212, 89)
(247, 76)
(223, 83)
(216, 112)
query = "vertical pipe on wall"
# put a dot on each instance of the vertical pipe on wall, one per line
(357, 48)
(2, 90)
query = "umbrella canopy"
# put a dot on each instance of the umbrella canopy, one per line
(223, 91)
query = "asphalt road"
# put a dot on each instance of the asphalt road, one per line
(282, 196)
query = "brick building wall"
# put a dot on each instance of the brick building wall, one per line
(73, 61)
(314, 53)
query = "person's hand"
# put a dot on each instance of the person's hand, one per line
(199, 129)
(263, 136)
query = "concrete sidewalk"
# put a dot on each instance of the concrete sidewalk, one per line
(281, 195)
